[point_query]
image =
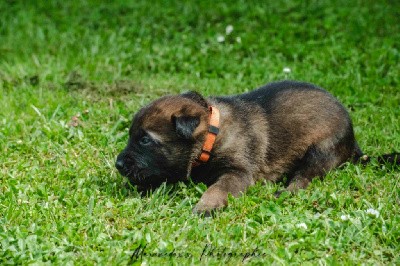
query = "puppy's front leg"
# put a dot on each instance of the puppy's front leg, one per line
(216, 195)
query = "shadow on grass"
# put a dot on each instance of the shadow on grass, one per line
(118, 89)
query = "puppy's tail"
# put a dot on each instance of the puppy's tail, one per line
(384, 159)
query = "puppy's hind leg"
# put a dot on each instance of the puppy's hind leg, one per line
(316, 163)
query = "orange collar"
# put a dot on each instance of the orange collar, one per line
(212, 133)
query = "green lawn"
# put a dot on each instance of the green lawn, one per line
(72, 73)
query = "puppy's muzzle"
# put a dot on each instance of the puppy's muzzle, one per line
(124, 165)
(119, 164)
(122, 169)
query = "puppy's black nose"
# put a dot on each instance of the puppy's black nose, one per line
(119, 164)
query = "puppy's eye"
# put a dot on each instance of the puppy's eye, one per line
(145, 140)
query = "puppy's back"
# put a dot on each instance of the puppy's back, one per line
(299, 107)
(301, 115)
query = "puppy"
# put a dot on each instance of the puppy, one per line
(288, 128)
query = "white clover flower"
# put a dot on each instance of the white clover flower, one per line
(384, 229)
(220, 38)
(301, 225)
(345, 217)
(238, 39)
(228, 29)
(372, 212)
(286, 70)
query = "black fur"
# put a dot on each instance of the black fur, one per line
(185, 125)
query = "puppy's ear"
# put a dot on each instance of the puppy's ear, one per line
(185, 125)
(196, 97)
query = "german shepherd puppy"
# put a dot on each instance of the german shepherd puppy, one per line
(288, 128)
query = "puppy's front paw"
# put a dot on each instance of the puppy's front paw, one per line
(211, 200)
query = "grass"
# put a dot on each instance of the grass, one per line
(72, 73)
